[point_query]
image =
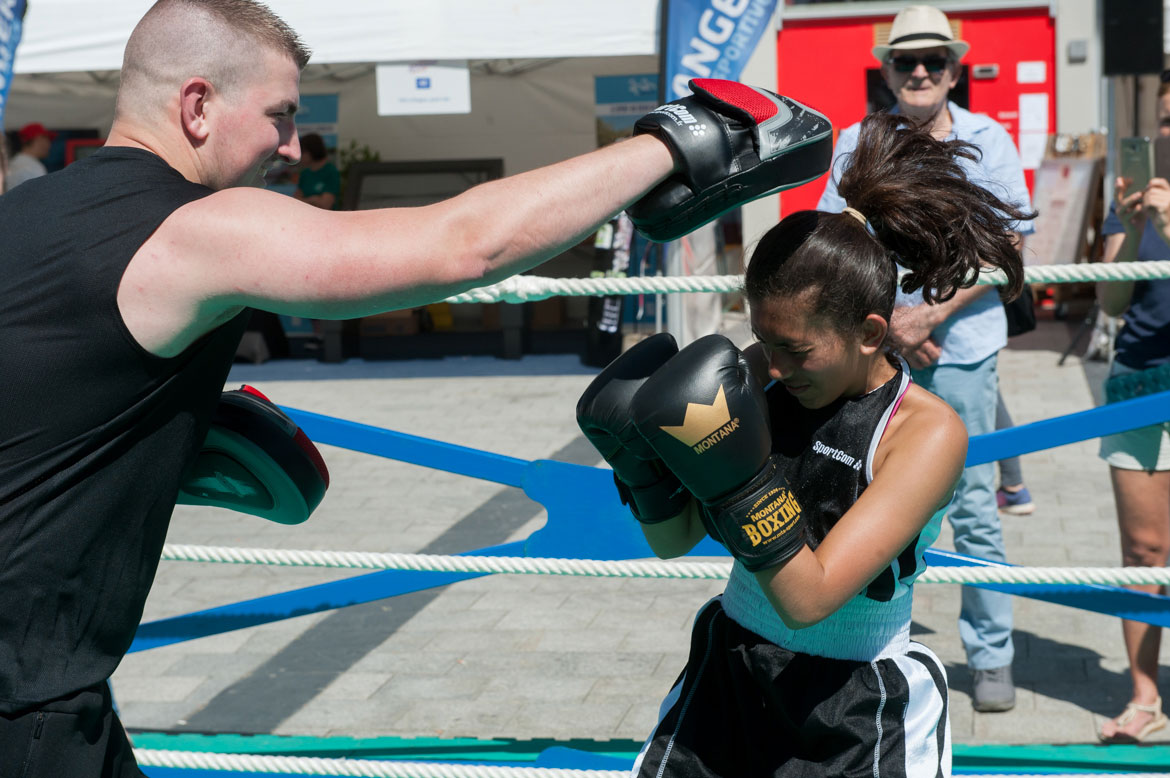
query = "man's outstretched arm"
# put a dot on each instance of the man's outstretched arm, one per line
(248, 247)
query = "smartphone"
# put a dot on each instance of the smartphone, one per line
(1136, 162)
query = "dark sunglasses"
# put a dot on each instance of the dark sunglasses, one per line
(935, 63)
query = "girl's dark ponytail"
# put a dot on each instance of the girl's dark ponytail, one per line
(936, 222)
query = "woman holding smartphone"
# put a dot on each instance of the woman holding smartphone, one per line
(1136, 230)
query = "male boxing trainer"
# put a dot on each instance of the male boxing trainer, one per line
(126, 282)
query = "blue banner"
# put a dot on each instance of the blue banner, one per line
(709, 39)
(11, 20)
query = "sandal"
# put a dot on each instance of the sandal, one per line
(1129, 714)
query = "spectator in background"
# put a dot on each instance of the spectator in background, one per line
(1012, 497)
(35, 142)
(1137, 229)
(319, 182)
(953, 345)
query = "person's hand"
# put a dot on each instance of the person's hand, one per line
(911, 325)
(910, 328)
(1156, 202)
(923, 356)
(1130, 208)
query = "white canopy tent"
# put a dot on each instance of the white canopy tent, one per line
(85, 35)
(68, 59)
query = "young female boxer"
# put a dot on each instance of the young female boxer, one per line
(820, 467)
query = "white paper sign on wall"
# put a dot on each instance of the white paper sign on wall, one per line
(417, 88)
(1031, 72)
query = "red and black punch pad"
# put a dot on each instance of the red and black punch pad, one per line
(256, 460)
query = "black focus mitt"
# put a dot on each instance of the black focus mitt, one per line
(256, 460)
(733, 143)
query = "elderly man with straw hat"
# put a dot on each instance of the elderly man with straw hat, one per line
(953, 346)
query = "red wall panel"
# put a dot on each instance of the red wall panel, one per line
(822, 63)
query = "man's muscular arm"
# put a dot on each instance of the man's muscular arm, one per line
(247, 247)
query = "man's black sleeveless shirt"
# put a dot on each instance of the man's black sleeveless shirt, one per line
(95, 432)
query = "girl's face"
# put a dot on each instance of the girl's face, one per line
(816, 364)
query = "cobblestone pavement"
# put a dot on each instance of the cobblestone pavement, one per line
(543, 657)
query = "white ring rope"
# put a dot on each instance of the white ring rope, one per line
(302, 765)
(518, 289)
(364, 560)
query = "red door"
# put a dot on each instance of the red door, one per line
(1010, 76)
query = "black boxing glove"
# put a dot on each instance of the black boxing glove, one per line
(651, 491)
(733, 143)
(707, 418)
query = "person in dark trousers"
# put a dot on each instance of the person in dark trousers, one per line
(1012, 497)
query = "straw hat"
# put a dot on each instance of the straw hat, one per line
(921, 27)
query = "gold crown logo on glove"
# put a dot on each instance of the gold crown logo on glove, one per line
(704, 425)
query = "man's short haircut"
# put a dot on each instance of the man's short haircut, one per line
(212, 39)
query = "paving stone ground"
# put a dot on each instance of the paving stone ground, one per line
(544, 657)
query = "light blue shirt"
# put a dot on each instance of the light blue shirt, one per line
(979, 329)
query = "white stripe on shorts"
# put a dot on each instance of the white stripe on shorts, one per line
(669, 702)
(926, 713)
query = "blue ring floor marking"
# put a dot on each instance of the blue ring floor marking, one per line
(586, 520)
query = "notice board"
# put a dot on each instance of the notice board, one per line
(1065, 194)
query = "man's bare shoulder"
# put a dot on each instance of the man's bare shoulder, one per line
(252, 228)
(238, 209)
(215, 255)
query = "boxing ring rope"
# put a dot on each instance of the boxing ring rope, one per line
(595, 568)
(300, 765)
(579, 498)
(519, 289)
(304, 765)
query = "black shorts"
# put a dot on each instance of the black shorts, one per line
(746, 708)
(79, 736)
